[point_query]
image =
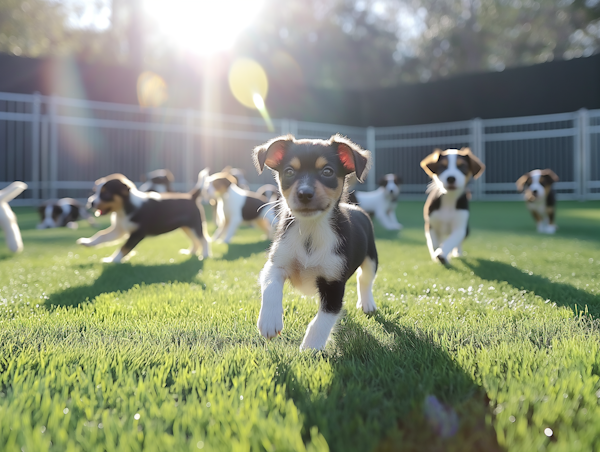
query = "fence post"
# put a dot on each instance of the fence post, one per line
(583, 118)
(53, 176)
(371, 146)
(35, 145)
(477, 147)
(188, 158)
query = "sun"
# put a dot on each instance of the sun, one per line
(203, 27)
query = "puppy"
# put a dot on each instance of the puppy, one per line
(320, 241)
(382, 202)
(238, 175)
(446, 211)
(269, 191)
(540, 197)
(160, 181)
(236, 206)
(8, 220)
(63, 212)
(135, 215)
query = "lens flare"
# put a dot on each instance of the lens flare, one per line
(249, 85)
(259, 103)
(151, 90)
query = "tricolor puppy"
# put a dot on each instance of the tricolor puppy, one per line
(238, 174)
(8, 220)
(382, 202)
(135, 215)
(320, 241)
(236, 206)
(160, 181)
(540, 197)
(65, 212)
(446, 211)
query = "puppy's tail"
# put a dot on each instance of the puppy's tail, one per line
(12, 191)
(197, 190)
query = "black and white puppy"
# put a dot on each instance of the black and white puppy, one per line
(382, 202)
(540, 197)
(236, 206)
(135, 215)
(238, 174)
(65, 212)
(446, 211)
(320, 241)
(160, 181)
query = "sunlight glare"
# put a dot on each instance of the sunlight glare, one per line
(203, 27)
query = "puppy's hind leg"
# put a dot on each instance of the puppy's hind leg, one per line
(319, 329)
(365, 276)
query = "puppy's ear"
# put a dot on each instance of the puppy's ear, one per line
(271, 153)
(354, 159)
(521, 181)
(382, 182)
(398, 180)
(169, 175)
(550, 176)
(477, 167)
(429, 163)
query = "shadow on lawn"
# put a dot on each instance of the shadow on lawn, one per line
(560, 293)
(121, 277)
(239, 250)
(378, 391)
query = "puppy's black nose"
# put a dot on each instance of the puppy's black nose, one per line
(534, 192)
(451, 179)
(305, 194)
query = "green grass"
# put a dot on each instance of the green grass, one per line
(162, 353)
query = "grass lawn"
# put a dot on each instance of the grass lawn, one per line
(162, 353)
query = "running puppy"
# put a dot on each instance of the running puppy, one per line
(8, 220)
(320, 241)
(382, 202)
(65, 212)
(540, 197)
(135, 215)
(236, 206)
(446, 210)
(160, 181)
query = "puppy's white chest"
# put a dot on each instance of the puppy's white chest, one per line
(308, 255)
(539, 206)
(441, 220)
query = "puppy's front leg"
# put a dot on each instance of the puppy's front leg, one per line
(108, 235)
(232, 226)
(270, 319)
(131, 242)
(456, 237)
(432, 241)
(319, 329)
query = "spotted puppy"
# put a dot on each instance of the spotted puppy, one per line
(382, 202)
(320, 241)
(160, 181)
(135, 215)
(446, 211)
(65, 212)
(540, 197)
(236, 206)
(8, 220)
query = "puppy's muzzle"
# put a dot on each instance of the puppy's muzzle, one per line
(305, 194)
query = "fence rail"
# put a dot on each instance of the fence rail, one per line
(59, 146)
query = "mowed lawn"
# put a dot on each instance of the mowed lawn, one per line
(162, 353)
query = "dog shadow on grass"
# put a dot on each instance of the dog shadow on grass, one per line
(376, 399)
(560, 293)
(122, 277)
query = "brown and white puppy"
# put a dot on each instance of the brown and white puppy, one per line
(446, 211)
(538, 191)
(236, 206)
(160, 181)
(320, 241)
(135, 215)
(65, 212)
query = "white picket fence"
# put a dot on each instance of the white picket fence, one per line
(59, 146)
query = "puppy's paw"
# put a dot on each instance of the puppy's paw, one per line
(440, 257)
(270, 323)
(72, 225)
(186, 252)
(84, 241)
(367, 304)
(550, 229)
(108, 260)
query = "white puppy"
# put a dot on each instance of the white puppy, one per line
(381, 202)
(8, 220)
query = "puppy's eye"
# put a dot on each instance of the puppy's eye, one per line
(327, 171)
(289, 172)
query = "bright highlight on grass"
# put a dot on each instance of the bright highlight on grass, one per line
(202, 27)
